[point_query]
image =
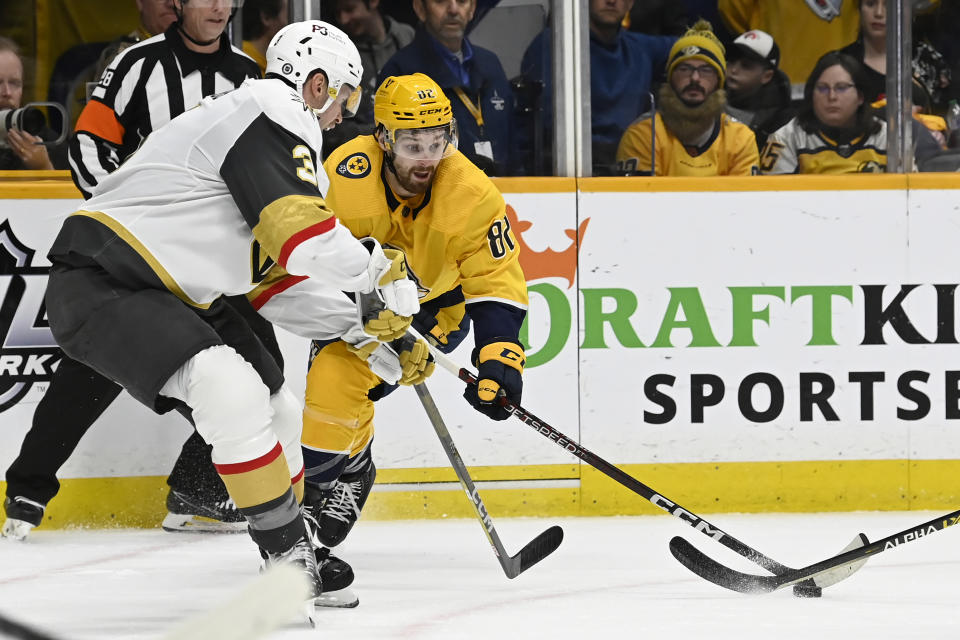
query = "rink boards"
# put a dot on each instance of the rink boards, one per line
(786, 344)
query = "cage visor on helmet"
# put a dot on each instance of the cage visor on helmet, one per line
(415, 117)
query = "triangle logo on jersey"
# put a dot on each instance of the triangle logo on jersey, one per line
(260, 263)
(826, 9)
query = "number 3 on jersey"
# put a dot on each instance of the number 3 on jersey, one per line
(500, 238)
(306, 171)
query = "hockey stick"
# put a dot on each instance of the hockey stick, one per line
(10, 628)
(535, 550)
(628, 481)
(709, 569)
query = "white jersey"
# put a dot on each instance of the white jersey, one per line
(214, 199)
(792, 149)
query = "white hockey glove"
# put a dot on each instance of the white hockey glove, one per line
(387, 305)
(382, 360)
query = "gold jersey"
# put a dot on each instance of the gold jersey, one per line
(455, 235)
(804, 31)
(731, 151)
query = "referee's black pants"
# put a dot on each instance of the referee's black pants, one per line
(77, 396)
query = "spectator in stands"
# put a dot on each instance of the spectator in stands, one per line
(378, 38)
(144, 87)
(804, 30)
(261, 21)
(657, 17)
(623, 67)
(870, 49)
(931, 75)
(472, 76)
(936, 24)
(20, 149)
(689, 134)
(758, 93)
(835, 131)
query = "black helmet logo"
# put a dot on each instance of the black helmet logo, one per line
(286, 69)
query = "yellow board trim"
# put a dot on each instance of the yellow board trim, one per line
(172, 285)
(933, 181)
(38, 185)
(860, 182)
(480, 474)
(724, 487)
(547, 184)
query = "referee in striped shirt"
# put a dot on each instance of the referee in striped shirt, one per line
(145, 86)
(152, 82)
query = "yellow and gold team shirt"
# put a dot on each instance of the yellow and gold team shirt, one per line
(790, 149)
(731, 151)
(803, 29)
(455, 235)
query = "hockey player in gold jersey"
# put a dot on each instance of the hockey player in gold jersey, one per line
(688, 134)
(408, 187)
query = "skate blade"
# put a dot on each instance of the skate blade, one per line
(14, 529)
(181, 523)
(310, 613)
(342, 599)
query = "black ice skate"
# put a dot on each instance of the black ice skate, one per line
(23, 515)
(301, 556)
(202, 514)
(335, 573)
(339, 508)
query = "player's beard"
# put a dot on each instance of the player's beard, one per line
(411, 184)
(688, 122)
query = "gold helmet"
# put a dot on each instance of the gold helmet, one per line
(410, 105)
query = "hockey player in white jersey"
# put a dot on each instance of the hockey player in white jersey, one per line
(207, 207)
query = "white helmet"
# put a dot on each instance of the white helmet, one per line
(303, 47)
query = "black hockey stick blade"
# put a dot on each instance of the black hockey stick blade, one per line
(846, 562)
(711, 570)
(719, 574)
(535, 551)
(10, 628)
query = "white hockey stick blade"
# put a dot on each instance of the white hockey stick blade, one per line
(278, 596)
(833, 576)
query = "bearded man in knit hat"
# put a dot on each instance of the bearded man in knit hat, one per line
(688, 133)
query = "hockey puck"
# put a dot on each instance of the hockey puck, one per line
(807, 591)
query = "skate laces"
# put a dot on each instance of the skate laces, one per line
(228, 506)
(300, 555)
(342, 505)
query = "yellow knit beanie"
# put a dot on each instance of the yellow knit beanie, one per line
(699, 42)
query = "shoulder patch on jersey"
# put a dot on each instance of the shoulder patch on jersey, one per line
(356, 165)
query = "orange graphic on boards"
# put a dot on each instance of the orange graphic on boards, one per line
(547, 263)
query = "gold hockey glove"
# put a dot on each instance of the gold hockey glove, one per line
(415, 360)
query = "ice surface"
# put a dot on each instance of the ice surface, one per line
(611, 578)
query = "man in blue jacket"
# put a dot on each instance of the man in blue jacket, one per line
(623, 66)
(471, 76)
